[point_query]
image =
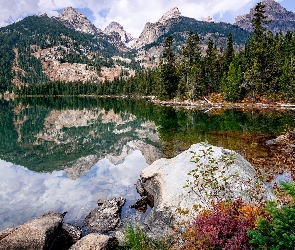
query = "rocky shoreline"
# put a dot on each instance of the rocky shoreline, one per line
(206, 104)
(190, 104)
(162, 186)
(50, 232)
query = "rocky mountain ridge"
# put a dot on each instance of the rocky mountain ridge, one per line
(75, 20)
(113, 33)
(281, 19)
(152, 31)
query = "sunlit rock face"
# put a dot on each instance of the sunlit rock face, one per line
(152, 31)
(26, 194)
(118, 29)
(280, 18)
(75, 20)
(39, 233)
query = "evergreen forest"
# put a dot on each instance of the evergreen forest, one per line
(262, 71)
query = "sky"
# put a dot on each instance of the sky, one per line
(131, 14)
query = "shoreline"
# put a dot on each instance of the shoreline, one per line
(202, 104)
(189, 104)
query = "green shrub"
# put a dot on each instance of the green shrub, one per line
(276, 229)
(136, 239)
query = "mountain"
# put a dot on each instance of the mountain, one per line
(174, 24)
(114, 34)
(39, 49)
(77, 21)
(281, 19)
(152, 31)
(116, 30)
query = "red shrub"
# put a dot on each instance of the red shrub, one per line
(223, 227)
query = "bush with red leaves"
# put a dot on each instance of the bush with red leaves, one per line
(223, 227)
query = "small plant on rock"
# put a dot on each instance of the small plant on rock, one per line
(208, 180)
(214, 179)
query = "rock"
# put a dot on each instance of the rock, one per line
(284, 143)
(68, 236)
(106, 217)
(281, 19)
(165, 180)
(39, 233)
(95, 241)
(173, 13)
(140, 188)
(140, 204)
(280, 140)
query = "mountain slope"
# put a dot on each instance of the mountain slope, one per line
(281, 19)
(39, 49)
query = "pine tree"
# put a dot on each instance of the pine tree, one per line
(287, 79)
(211, 68)
(258, 21)
(232, 81)
(168, 76)
(229, 53)
(190, 60)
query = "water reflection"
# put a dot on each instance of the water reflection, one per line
(51, 136)
(67, 136)
(25, 194)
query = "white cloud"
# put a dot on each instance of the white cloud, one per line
(132, 14)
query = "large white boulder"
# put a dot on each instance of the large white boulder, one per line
(220, 174)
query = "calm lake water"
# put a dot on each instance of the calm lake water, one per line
(64, 154)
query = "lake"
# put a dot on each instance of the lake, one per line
(63, 154)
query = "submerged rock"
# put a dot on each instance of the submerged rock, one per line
(221, 174)
(106, 217)
(40, 233)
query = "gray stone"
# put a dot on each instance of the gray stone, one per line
(140, 188)
(165, 180)
(39, 233)
(69, 235)
(95, 241)
(141, 204)
(106, 217)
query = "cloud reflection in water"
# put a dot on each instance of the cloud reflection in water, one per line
(25, 194)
